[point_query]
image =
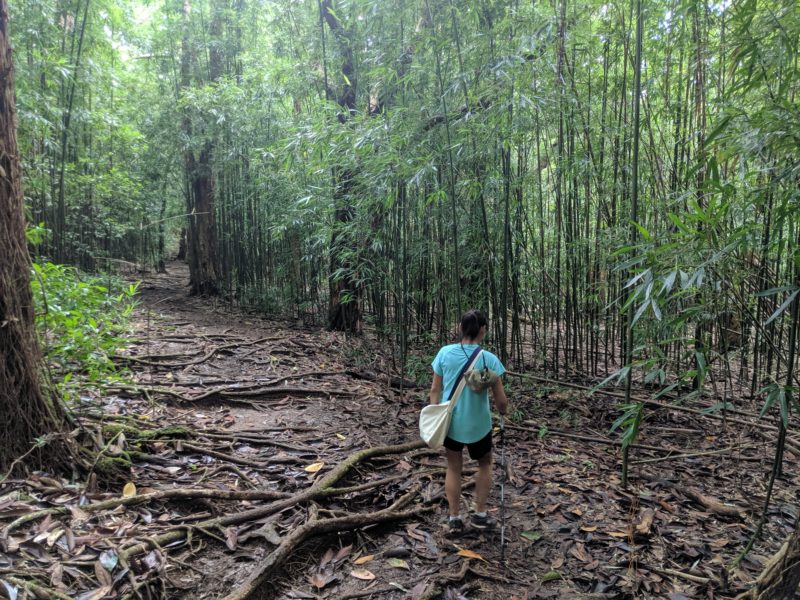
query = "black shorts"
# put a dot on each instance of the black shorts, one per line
(477, 450)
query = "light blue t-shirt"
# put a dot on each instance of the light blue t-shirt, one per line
(472, 419)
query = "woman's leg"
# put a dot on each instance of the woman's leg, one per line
(452, 481)
(483, 482)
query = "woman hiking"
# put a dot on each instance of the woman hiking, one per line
(471, 425)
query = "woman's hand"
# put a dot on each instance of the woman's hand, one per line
(499, 395)
(436, 389)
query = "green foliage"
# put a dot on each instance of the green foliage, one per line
(630, 421)
(82, 319)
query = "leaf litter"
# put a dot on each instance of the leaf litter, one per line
(258, 421)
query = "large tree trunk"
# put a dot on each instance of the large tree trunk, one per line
(26, 415)
(201, 232)
(345, 289)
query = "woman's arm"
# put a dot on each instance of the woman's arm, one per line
(436, 389)
(499, 395)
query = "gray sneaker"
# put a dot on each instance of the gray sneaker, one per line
(482, 522)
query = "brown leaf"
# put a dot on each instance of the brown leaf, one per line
(103, 576)
(343, 553)
(363, 574)
(231, 538)
(57, 576)
(579, 552)
(645, 523)
(95, 594)
(470, 554)
(319, 581)
(364, 559)
(326, 558)
(418, 591)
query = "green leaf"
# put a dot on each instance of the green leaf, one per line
(532, 536)
(782, 307)
(551, 576)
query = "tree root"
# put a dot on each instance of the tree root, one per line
(174, 494)
(712, 504)
(252, 589)
(323, 488)
(781, 574)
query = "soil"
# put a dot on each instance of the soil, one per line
(277, 405)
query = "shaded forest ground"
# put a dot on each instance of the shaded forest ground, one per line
(253, 419)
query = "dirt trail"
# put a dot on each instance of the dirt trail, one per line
(328, 408)
(244, 436)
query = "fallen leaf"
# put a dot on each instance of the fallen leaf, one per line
(618, 534)
(129, 490)
(319, 581)
(589, 529)
(96, 594)
(231, 538)
(645, 521)
(398, 563)
(551, 576)
(314, 467)
(109, 560)
(103, 576)
(532, 536)
(470, 554)
(341, 437)
(364, 559)
(363, 574)
(343, 553)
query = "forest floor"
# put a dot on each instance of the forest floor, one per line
(272, 460)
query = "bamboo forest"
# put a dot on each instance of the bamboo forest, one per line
(407, 299)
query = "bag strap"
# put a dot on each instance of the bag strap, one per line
(460, 382)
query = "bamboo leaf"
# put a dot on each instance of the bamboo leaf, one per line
(782, 307)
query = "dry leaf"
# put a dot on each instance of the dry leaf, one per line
(319, 581)
(314, 467)
(398, 563)
(470, 554)
(129, 490)
(364, 559)
(103, 576)
(363, 574)
(231, 538)
(341, 437)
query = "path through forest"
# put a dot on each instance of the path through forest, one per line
(275, 460)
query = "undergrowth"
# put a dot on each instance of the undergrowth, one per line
(82, 321)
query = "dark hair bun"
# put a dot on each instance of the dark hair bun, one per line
(471, 323)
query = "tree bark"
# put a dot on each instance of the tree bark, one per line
(344, 289)
(27, 415)
(201, 231)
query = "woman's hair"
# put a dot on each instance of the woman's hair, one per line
(471, 323)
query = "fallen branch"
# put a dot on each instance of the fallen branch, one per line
(174, 494)
(201, 359)
(323, 488)
(712, 504)
(252, 589)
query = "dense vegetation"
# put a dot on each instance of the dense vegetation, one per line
(408, 160)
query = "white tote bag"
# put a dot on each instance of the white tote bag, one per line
(434, 420)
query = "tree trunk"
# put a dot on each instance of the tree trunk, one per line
(345, 290)
(27, 416)
(201, 233)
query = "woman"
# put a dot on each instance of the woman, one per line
(471, 425)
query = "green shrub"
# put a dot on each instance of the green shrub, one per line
(81, 318)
